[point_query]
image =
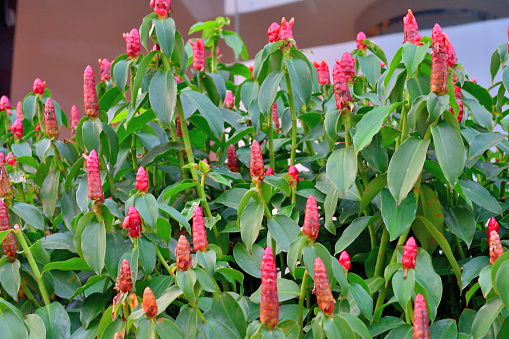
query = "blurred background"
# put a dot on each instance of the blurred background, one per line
(55, 39)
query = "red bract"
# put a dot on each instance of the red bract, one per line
(132, 222)
(341, 90)
(50, 119)
(198, 54)
(359, 39)
(142, 180)
(149, 303)
(410, 28)
(9, 244)
(344, 260)
(292, 170)
(311, 224)
(451, 53)
(75, 120)
(11, 160)
(256, 166)
(323, 72)
(269, 171)
(322, 289)
(457, 92)
(161, 7)
(133, 43)
(347, 63)
(5, 104)
(124, 282)
(2, 159)
(39, 87)
(233, 163)
(179, 127)
(5, 183)
(19, 111)
(286, 29)
(229, 101)
(275, 117)
(269, 304)
(90, 94)
(200, 240)
(273, 32)
(251, 68)
(105, 69)
(496, 249)
(409, 255)
(439, 66)
(421, 326)
(17, 129)
(492, 226)
(95, 188)
(183, 254)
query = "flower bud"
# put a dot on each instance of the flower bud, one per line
(229, 101)
(161, 8)
(9, 244)
(273, 32)
(409, 255)
(439, 66)
(105, 69)
(90, 94)
(275, 117)
(133, 43)
(19, 111)
(496, 249)
(294, 175)
(39, 87)
(50, 119)
(38, 127)
(17, 129)
(95, 188)
(269, 304)
(322, 288)
(341, 90)
(5, 104)
(344, 260)
(149, 303)
(359, 40)
(142, 180)
(251, 68)
(286, 29)
(183, 254)
(198, 54)
(233, 163)
(451, 53)
(11, 160)
(347, 63)
(256, 166)
(75, 120)
(410, 28)
(269, 171)
(311, 223)
(492, 226)
(124, 282)
(200, 240)
(5, 183)
(323, 72)
(421, 326)
(133, 223)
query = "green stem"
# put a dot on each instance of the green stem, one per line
(58, 159)
(458, 246)
(272, 160)
(348, 125)
(213, 64)
(40, 114)
(302, 296)
(21, 239)
(294, 117)
(180, 157)
(162, 260)
(29, 294)
(381, 253)
(259, 190)
(135, 242)
(21, 193)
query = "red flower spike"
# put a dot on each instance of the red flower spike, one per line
(19, 111)
(311, 223)
(105, 69)
(292, 170)
(39, 87)
(161, 8)
(17, 129)
(233, 163)
(9, 244)
(382, 64)
(348, 65)
(439, 66)
(251, 68)
(2, 159)
(256, 166)
(95, 188)
(269, 304)
(124, 282)
(421, 326)
(198, 54)
(451, 53)
(5, 104)
(273, 32)
(269, 171)
(5, 183)
(229, 101)
(409, 255)
(156, 47)
(179, 127)
(38, 127)
(457, 92)
(149, 303)
(183, 254)
(134, 226)
(341, 90)
(410, 28)
(75, 120)
(200, 240)
(323, 72)
(492, 226)
(11, 160)
(496, 249)
(474, 80)
(286, 29)
(359, 39)
(50, 119)
(133, 43)
(275, 117)
(322, 289)
(344, 260)
(142, 180)
(90, 94)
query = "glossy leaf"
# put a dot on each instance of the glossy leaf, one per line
(163, 96)
(450, 151)
(342, 169)
(398, 219)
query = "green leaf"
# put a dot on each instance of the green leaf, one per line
(495, 267)
(279, 183)
(412, 56)
(163, 96)
(398, 219)
(68, 265)
(49, 192)
(283, 229)
(147, 254)
(351, 233)
(140, 72)
(486, 316)
(370, 66)
(372, 190)
(207, 109)
(146, 329)
(401, 332)
(91, 308)
(169, 295)
(481, 115)
(406, 166)
(330, 205)
(300, 77)
(250, 223)
(234, 40)
(363, 300)
(186, 281)
(93, 245)
(502, 282)
(249, 262)
(480, 195)
(337, 327)
(165, 30)
(342, 169)
(495, 65)
(187, 322)
(228, 311)
(119, 70)
(56, 320)
(436, 105)
(460, 222)
(35, 326)
(29, 213)
(403, 287)
(445, 328)
(215, 329)
(92, 134)
(286, 290)
(167, 329)
(357, 325)
(472, 269)
(484, 141)
(450, 151)
(148, 208)
(29, 107)
(10, 278)
(268, 91)
(11, 324)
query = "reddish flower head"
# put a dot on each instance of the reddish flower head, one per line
(492, 226)
(5, 183)
(457, 92)
(19, 111)
(410, 28)
(198, 54)
(496, 249)
(2, 159)
(344, 260)
(133, 43)
(311, 224)
(322, 289)
(233, 163)
(90, 94)
(124, 282)
(359, 39)
(183, 254)
(105, 69)
(95, 188)
(149, 303)
(451, 53)
(269, 304)
(229, 101)
(200, 240)
(9, 244)
(11, 160)
(409, 255)
(286, 30)
(17, 129)
(421, 326)
(5, 104)
(75, 120)
(39, 86)
(273, 32)
(292, 170)
(179, 128)
(269, 171)
(341, 90)
(323, 72)
(275, 117)
(347, 63)
(439, 65)
(132, 222)
(256, 165)
(50, 119)
(142, 180)
(161, 7)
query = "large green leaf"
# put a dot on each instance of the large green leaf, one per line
(283, 229)
(342, 169)
(267, 94)
(228, 311)
(11, 324)
(286, 290)
(207, 109)
(479, 195)
(436, 105)
(29, 213)
(93, 245)
(163, 96)
(140, 73)
(406, 166)
(484, 141)
(250, 223)
(10, 278)
(249, 262)
(502, 282)
(403, 287)
(56, 320)
(300, 78)
(450, 151)
(486, 316)
(370, 66)
(351, 233)
(398, 218)
(165, 30)
(460, 222)
(49, 192)
(413, 55)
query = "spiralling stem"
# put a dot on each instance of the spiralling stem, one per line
(294, 117)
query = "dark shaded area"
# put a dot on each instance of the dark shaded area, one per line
(7, 19)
